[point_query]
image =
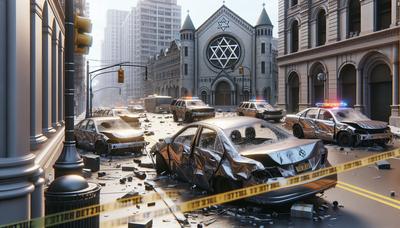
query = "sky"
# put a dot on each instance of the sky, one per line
(199, 11)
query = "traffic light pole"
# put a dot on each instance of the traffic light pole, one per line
(88, 81)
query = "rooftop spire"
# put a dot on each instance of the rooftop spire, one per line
(188, 24)
(264, 18)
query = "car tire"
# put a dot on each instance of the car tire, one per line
(345, 139)
(298, 131)
(101, 147)
(175, 117)
(188, 117)
(222, 184)
(161, 165)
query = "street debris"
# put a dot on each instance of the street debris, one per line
(151, 204)
(302, 210)
(130, 194)
(91, 162)
(122, 180)
(137, 160)
(392, 193)
(101, 174)
(383, 164)
(87, 173)
(149, 185)
(140, 174)
(141, 224)
(102, 184)
(128, 168)
(130, 178)
(146, 164)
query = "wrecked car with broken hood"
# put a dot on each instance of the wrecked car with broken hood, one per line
(223, 154)
(105, 135)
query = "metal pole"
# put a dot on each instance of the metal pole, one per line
(69, 162)
(243, 87)
(91, 100)
(87, 89)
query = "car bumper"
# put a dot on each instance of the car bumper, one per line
(203, 114)
(273, 117)
(116, 146)
(366, 137)
(290, 194)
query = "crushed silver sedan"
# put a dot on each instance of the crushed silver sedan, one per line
(223, 154)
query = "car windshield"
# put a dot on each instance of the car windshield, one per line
(348, 114)
(195, 103)
(112, 124)
(265, 105)
(253, 135)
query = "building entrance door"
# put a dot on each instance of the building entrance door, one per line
(223, 94)
(380, 93)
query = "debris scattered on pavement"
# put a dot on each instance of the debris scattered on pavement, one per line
(146, 164)
(91, 162)
(141, 224)
(151, 204)
(118, 166)
(335, 204)
(137, 160)
(102, 184)
(302, 210)
(149, 133)
(122, 180)
(149, 185)
(101, 174)
(128, 168)
(129, 179)
(383, 164)
(392, 193)
(140, 174)
(87, 173)
(130, 194)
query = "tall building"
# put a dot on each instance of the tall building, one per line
(340, 50)
(156, 24)
(111, 53)
(211, 55)
(31, 103)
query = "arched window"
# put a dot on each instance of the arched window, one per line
(354, 22)
(204, 97)
(383, 14)
(294, 39)
(321, 28)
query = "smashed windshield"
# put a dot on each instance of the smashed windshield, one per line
(195, 103)
(112, 124)
(348, 115)
(265, 105)
(250, 136)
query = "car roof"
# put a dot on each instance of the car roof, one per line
(229, 122)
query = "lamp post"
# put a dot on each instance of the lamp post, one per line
(322, 77)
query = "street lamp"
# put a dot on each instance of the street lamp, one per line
(322, 77)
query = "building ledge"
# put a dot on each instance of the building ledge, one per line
(375, 39)
(48, 153)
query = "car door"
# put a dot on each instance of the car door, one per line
(207, 155)
(325, 125)
(80, 133)
(246, 109)
(181, 152)
(252, 111)
(307, 122)
(91, 133)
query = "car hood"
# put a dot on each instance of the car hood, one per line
(122, 134)
(201, 108)
(286, 152)
(129, 118)
(270, 109)
(368, 124)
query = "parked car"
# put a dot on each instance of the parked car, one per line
(157, 104)
(260, 109)
(136, 108)
(338, 123)
(105, 135)
(123, 113)
(223, 154)
(190, 109)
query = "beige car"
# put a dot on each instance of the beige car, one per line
(260, 109)
(191, 109)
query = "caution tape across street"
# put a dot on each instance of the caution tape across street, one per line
(191, 205)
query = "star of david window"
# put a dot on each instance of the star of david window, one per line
(223, 52)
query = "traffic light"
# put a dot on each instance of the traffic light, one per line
(82, 40)
(121, 75)
(241, 70)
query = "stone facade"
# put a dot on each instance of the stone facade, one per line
(31, 103)
(211, 55)
(340, 50)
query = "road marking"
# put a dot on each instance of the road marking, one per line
(368, 194)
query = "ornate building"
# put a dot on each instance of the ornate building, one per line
(211, 55)
(340, 50)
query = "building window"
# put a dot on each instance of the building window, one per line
(321, 28)
(383, 14)
(262, 67)
(294, 39)
(186, 69)
(204, 96)
(354, 22)
(262, 48)
(270, 48)
(186, 51)
(293, 2)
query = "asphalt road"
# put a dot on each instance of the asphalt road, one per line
(363, 194)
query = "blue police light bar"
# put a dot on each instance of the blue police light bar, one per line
(332, 105)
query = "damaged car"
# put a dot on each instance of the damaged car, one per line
(335, 122)
(223, 154)
(106, 135)
(260, 109)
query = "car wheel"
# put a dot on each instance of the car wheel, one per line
(188, 117)
(161, 165)
(175, 117)
(222, 184)
(101, 147)
(345, 139)
(298, 131)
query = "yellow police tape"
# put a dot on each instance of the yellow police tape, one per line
(82, 213)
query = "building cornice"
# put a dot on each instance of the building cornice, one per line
(355, 44)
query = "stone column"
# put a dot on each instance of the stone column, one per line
(17, 164)
(36, 134)
(394, 12)
(54, 79)
(46, 83)
(395, 118)
(359, 88)
(60, 81)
